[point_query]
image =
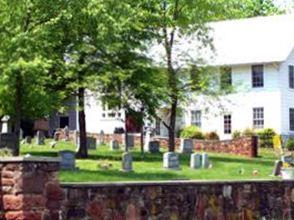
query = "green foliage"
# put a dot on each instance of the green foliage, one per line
(248, 132)
(211, 136)
(5, 152)
(290, 144)
(192, 132)
(266, 137)
(237, 134)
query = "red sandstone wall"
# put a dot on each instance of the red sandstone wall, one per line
(245, 146)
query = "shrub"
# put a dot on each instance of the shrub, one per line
(290, 144)
(211, 136)
(192, 132)
(237, 134)
(248, 132)
(266, 137)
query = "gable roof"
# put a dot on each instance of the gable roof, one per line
(244, 41)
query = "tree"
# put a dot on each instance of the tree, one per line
(178, 21)
(24, 62)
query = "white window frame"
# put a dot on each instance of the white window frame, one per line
(196, 118)
(228, 124)
(258, 117)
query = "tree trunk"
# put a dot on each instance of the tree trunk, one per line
(82, 148)
(126, 133)
(17, 117)
(172, 126)
(142, 141)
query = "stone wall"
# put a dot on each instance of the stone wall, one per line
(30, 190)
(180, 200)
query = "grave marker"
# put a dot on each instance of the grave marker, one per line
(68, 160)
(91, 143)
(186, 146)
(171, 160)
(205, 161)
(196, 161)
(40, 138)
(127, 161)
(277, 168)
(114, 145)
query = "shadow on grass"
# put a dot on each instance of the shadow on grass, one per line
(241, 160)
(105, 175)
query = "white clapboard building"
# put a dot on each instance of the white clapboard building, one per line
(258, 55)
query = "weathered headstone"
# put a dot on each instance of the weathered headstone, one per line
(28, 140)
(130, 141)
(20, 134)
(153, 146)
(171, 160)
(114, 145)
(147, 140)
(196, 161)
(66, 133)
(91, 143)
(186, 146)
(101, 139)
(277, 168)
(287, 159)
(127, 162)
(205, 161)
(56, 135)
(68, 160)
(7, 140)
(40, 138)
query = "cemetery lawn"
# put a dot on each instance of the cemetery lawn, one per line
(224, 166)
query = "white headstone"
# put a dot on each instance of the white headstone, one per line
(205, 161)
(196, 161)
(40, 138)
(171, 160)
(147, 140)
(101, 139)
(127, 161)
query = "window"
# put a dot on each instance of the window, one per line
(257, 76)
(291, 77)
(227, 124)
(225, 77)
(291, 119)
(258, 117)
(196, 118)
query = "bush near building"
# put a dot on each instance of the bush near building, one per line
(290, 144)
(211, 136)
(265, 137)
(192, 132)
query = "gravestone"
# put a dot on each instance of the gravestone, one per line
(277, 168)
(20, 134)
(40, 138)
(147, 140)
(205, 161)
(91, 143)
(130, 141)
(153, 147)
(127, 162)
(66, 133)
(186, 146)
(171, 160)
(68, 160)
(287, 159)
(7, 140)
(101, 139)
(28, 140)
(56, 135)
(114, 145)
(196, 161)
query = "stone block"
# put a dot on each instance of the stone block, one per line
(205, 161)
(114, 145)
(196, 161)
(40, 138)
(171, 160)
(91, 143)
(68, 160)
(153, 146)
(186, 146)
(127, 161)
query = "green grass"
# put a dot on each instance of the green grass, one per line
(224, 166)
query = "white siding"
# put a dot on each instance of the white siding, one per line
(240, 104)
(287, 94)
(94, 120)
